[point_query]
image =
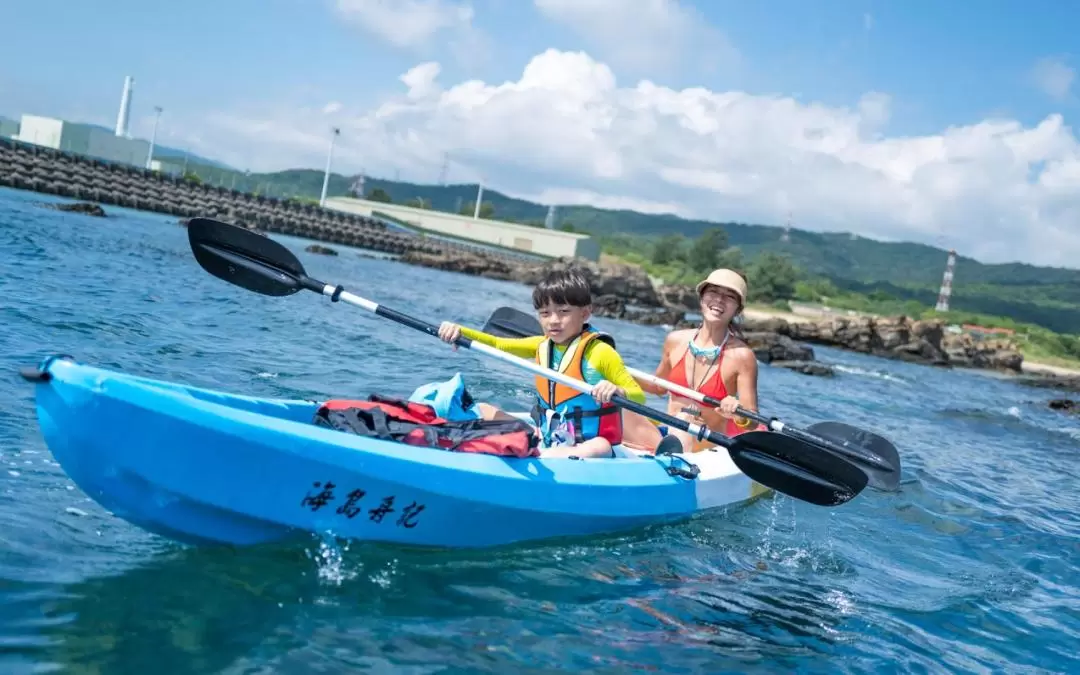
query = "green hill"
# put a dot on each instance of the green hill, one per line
(891, 273)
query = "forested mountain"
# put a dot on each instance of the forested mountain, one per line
(905, 271)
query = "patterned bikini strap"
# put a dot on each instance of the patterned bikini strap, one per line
(708, 352)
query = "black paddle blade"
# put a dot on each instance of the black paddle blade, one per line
(797, 469)
(246, 259)
(512, 323)
(874, 454)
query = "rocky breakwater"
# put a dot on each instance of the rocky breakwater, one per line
(27, 166)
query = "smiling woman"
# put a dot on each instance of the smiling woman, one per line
(712, 359)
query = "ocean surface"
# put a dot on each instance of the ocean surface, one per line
(973, 566)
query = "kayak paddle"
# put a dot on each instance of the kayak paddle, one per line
(872, 453)
(783, 463)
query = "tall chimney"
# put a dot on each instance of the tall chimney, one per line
(125, 107)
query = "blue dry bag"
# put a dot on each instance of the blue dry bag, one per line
(449, 399)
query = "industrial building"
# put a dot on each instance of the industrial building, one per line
(535, 240)
(88, 139)
(84, 139)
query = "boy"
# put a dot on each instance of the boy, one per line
(569, 421)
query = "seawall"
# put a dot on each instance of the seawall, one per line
(26, 166)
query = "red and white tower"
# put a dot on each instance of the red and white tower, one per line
(946, 284)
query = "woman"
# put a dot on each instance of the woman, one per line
(713, 359)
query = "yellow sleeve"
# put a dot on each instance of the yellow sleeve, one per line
(609, 364)
(522, 347)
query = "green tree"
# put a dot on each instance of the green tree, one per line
(772, 277)
(815, 290)
(379, 195)
(731, 258)
(487, 209)
(704, 253)
(668, 249)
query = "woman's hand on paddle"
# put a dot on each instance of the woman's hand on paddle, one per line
(604, 390)
(449, 332)
(727, 406)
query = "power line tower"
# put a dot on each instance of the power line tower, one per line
(549, 221)
(357, 188)
(946, 283)
(445, 168)
(786, 236)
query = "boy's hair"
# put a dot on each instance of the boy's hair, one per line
(563, 287)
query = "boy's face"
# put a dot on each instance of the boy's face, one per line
(562, 323)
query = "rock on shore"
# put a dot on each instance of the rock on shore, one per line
(899, 338)
(1050, 381)
(86, 208)
(1065, 405)
(621, 284)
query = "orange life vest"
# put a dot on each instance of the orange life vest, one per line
(589, 418)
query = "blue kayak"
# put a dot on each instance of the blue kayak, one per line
(208, 467)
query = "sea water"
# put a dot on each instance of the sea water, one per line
(972, 566)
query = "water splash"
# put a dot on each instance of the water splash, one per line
(330, 561)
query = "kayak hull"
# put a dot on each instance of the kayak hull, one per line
(201, 466)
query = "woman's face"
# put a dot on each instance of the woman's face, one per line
(719, 304)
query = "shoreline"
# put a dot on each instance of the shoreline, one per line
(808, 314)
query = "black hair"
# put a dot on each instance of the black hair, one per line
(736, 329)
(563, 287)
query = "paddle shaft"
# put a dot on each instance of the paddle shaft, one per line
(772, 423)
(775, 425)
(698, 431)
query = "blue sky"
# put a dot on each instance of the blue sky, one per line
(944, 63)
(245, 81)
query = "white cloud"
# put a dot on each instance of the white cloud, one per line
(644, 35)
(567, 129)
(421, 80)
(407, 23)
(1054, 77)
(417, 25)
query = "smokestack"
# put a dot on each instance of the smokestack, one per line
(125, 108)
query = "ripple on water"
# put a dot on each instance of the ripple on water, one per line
(973, 566)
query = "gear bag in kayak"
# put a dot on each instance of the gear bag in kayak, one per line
(413, 423)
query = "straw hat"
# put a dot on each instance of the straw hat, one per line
(726, 279)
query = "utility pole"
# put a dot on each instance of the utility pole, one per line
(153, 136)
(329, 159)
(479, 199)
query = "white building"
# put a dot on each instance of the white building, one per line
(535, 240)
(83, 139)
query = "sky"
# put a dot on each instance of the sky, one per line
(951, 124)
